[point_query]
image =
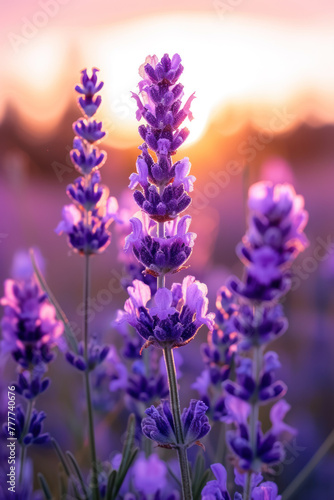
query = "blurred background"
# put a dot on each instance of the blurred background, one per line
(263, 74)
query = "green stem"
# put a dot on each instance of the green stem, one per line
(176, 412)
(24, 432)
(305, 472)
(248, 484)
(175, 401)
(94, 481)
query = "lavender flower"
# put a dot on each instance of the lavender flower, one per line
(161, 255)
(29, 326)
(274, 239)
(149, 474)
(261, 328)
(159, 424)
(33, 434)
(176, 317)
(269, 449)
(245, 386)
(95, 356)
(86, 220)
(162, 112)
(216, 489)
(164, 247)
(146, 387)
(88, 89)
(30, 383)
(266, 491)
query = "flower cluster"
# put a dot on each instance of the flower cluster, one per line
(159, 424)
(217, 488)
(33, 434)
(161, 256)
(176, 316)
(96, 354)
(86, 220)
(268, 449)
(29, 326)
(274, 239)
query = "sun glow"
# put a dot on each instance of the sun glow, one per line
(225, 62)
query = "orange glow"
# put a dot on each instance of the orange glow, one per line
(225, 62)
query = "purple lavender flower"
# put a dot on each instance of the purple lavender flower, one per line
(94, 237)
(274, 239)
(176, 316)
(30, 383)
(263, 327)
(85, 157)
(161, 255)
(86, 220)
(29, 326)
(96, 354)
(216, 489)
(245, 387)
(90, 131)
(269, 448)
(89, 87)
(266, 491)
(159, 424)
(160, 106)
(146, 387)
(149, 475)
(34, 434)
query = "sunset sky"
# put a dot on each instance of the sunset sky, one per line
(254, 53)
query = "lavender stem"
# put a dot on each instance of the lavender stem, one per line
(94, 482)
(176, 411)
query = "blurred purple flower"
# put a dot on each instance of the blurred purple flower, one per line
(273, 240)
(86, 220)
(149, 475)
(29, 326)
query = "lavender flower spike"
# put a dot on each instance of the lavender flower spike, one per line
(86, 220)
(274, 239)
(164, 185)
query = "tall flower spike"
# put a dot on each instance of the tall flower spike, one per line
(86, 220)
(161, 242)
(273, 240)
(86, 223)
